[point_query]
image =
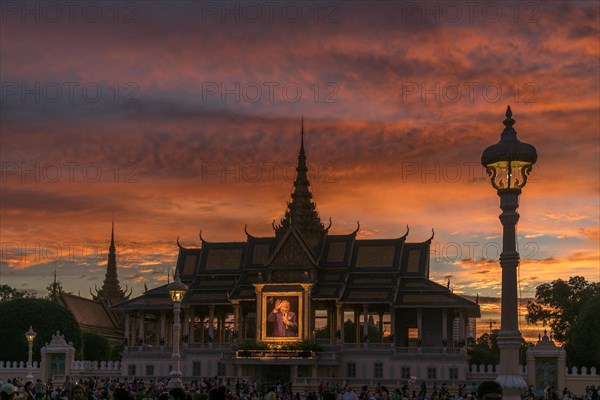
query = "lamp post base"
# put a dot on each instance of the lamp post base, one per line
(175, 382)
(512, 386)
(510, 377)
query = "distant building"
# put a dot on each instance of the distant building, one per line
(97, 315)
(332, 284)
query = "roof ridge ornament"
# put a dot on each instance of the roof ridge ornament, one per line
(248, 233)
(329, 226)
(508, 122)
(432, 235)
(406, 234)
(357, 228)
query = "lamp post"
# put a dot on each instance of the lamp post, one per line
(177, 290)
(30, 335)
(508, 164)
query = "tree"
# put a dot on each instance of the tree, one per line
(373, 335)
(580, 348)
(349, 331)
(9, 293)
(485, 350)
(44, 316)
(96, 347)
(116, 352)
(566, 307)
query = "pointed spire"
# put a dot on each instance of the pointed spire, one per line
(55, 286)
(301, 211)
(302, 139)
(111, 290)
(111, 249)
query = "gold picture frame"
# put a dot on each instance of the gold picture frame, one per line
(273, 327)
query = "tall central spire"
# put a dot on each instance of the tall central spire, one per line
(111, 249)
(301, 211)
(111, 290)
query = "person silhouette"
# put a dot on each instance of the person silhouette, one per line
(285, 322)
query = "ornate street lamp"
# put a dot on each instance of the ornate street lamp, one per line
(508, 164)
(177, 290)
(30, 335)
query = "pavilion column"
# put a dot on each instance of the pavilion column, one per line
(465, 322)
(258, 287)
(155, 330)
(309, 314)
(133, 330)
(445, 325)
(202, 321)
(331, 323)
(127, 327)
(242, 324)
(221, 323)
(366, 320)
(393, 325)
(340, 320)
(420, 325)
(186, 325)
(141, 328)
(163, 320)
(192, 331)
(217, 329)
(312, 327)
(357, 324)
(381, 325)
(236, 316)
(463, 325)
(168, 336)
(211, 317)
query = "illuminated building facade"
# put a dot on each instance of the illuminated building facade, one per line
(304, 305)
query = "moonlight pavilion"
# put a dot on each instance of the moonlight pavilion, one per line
(363, 309)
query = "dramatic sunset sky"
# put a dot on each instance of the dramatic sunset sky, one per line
(183, 116)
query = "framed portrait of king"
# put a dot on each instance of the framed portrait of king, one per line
(282, 315)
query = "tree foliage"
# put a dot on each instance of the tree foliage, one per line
(95, 347)
(557, 304)
(569, 308)
(485, 350)
(44, 316)
(374, 335)
(116, 352)
(583, 347)
(8, 293)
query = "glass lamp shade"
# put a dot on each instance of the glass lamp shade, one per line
(509, 174)
(509, 162)
(177, 289)
(30, 335)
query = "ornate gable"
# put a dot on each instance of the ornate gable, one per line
(292, 252)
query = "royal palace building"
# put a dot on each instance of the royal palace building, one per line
(303, 305)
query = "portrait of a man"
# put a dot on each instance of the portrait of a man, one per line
(283, 322)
